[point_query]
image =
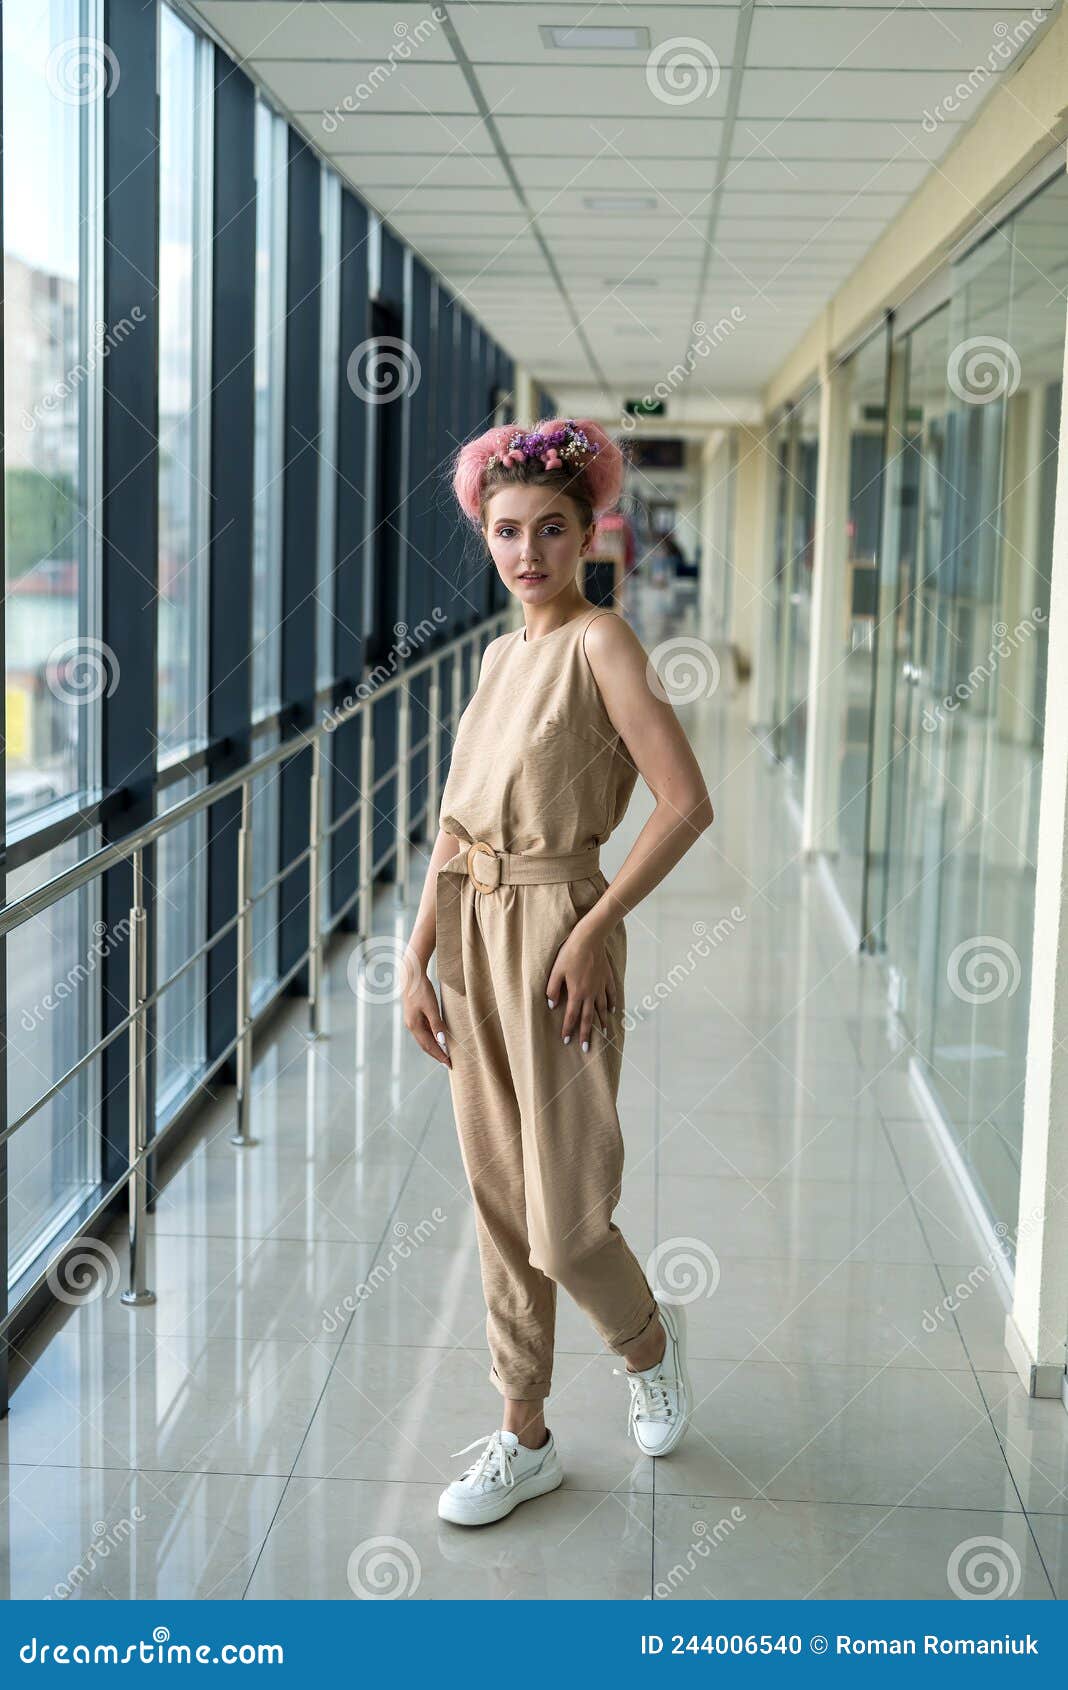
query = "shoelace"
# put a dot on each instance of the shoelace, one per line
(494, 1452)
(648, 1397)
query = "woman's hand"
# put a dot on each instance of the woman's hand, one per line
(583, 971)
(422, 1016)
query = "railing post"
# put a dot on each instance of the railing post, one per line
(456, 703)
(241, 1134)
(136, 1292)
(367, 780)
(433, 756)
(402, 850)
(315, 937)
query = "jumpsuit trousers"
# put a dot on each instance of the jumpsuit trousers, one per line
(539, 778)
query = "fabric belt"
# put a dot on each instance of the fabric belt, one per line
(487, 869)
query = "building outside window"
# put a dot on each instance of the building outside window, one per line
(57, 667)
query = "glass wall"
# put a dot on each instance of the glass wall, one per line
(57, 668)
(853, 677)
(798, 454)
(180, 892)
(272, 150)
(184, 382)
(329, 360)
(266, 790)
(967, 550)
(54, 965)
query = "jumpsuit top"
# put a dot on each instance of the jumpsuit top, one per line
(537, 764)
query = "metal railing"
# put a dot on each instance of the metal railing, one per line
(132, 848)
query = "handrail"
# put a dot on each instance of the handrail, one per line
(29, 904)
(134, 1023)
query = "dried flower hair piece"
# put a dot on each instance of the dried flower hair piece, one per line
(581, 448)
(566, 447)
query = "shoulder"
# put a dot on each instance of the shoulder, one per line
(491, 654)
(612, 645)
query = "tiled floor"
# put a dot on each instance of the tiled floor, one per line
(279, 1422)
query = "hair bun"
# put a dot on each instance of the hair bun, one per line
(602, 473)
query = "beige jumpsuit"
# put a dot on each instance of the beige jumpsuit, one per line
(539, 778)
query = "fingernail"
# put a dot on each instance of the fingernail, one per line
(567, 1038)
(551, 1002)
(441, 1040)
(585, 1044)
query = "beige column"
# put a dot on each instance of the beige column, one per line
(752, 603)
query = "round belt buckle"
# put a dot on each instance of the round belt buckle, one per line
(480, 848)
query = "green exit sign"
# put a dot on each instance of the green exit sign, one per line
(645, 408)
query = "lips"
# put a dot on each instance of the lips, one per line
(532, 575)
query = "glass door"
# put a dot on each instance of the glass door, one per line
(962, 674)
(901, 916)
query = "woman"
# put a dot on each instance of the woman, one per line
(531, 950)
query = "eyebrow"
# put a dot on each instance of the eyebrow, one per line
(559, 515)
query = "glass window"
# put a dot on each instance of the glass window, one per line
(54, 962)
(899, 894)
(329, 353)
(986, 697)
(854, 673)
(57, 669)
(184, 381)
(181, 895)
(272, 150)
(266, 830)
(801, 549)
(966, 560)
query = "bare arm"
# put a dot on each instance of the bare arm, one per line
(665, 760)
(422, 1012)
(423, 939)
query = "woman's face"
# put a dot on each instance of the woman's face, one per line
(536, 540)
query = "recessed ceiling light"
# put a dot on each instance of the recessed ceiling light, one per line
(620, 202)
(607, 36)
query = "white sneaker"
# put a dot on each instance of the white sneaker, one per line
(660, 1395)
(505, 1474)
